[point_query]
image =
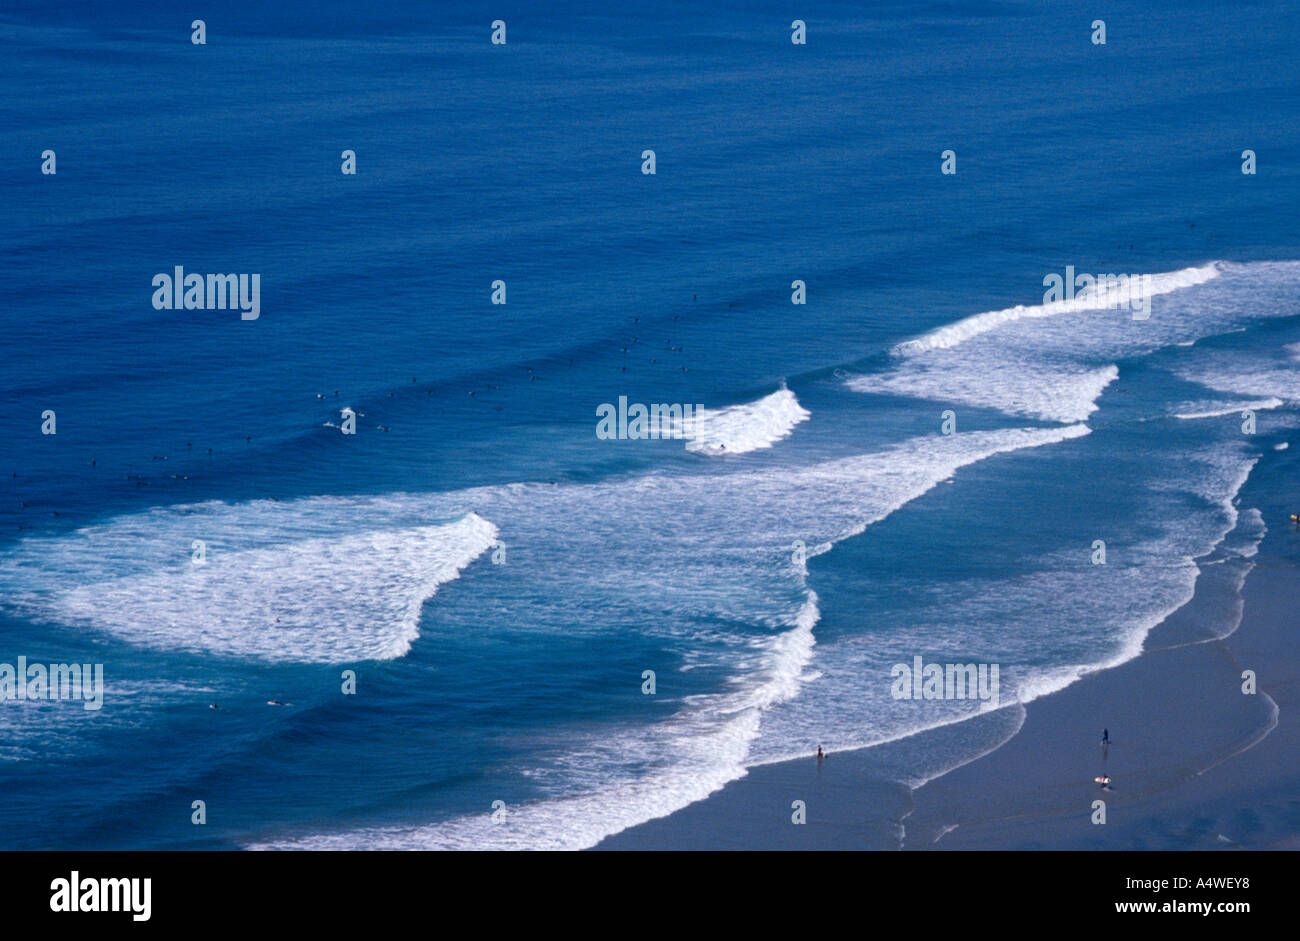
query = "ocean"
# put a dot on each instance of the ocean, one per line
(919, 460)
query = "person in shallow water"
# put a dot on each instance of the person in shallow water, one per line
(1105, 736)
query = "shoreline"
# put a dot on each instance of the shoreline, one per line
(1195, 763)
(1198, 765)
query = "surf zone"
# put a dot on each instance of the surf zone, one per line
(946, 681)
(1107, 291)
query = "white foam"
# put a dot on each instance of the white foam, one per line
(1091, 617)
(1242, 373)
(1052, 392)
(1029, 361)
(746, 524)
(1235, 409)
(963, 330)
(738, 429)
(698, 751)
(305, 598)
(1253, 529)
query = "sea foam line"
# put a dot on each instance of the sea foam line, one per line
(707, 744)
(320, 599)
(1259, 406)
(580, 821)
(957, 333)
(738, 429)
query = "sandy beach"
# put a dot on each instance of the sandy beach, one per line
(1195, 763)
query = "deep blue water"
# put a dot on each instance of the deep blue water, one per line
(522, 681)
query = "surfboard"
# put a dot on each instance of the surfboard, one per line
(1102, 780)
